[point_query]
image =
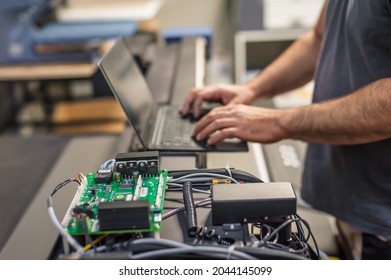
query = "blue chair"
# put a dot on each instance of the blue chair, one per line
(21, 33)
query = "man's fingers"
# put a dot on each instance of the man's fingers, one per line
(202, 123)
(215, 115)
(205, 94)
(229, 132)
(185, 109)
(197, 103)
(212, 127)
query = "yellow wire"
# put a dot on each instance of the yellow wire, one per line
(100, 238)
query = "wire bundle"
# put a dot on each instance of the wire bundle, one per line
(298, 243)
(133, 246)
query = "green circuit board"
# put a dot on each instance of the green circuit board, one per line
(125, 205)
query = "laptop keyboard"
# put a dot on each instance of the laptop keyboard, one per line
(175, 131)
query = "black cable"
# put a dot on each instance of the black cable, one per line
(61, 185)
(296, 245)
(212, 235)
(300, 231)
(280, 227)
(269, 229)
(191, 218)
(199, 203)
(306, 224)
(161, 246)
(302, 249)
(265, 253)
(195, 253)
(191, 214)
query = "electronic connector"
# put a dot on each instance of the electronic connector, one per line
(143, 163)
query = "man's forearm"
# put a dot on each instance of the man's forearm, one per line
(361, 117)
(294, 67)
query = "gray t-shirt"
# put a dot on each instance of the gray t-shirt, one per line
(352, 182)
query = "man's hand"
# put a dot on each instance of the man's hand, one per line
(357, 118)
(226, 94)
(248, 123)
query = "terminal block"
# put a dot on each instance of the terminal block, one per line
(143, 163)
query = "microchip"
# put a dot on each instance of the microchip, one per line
(103, 177)
(125, 186)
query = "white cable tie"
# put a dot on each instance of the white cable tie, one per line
(230, 250)
(228, 169)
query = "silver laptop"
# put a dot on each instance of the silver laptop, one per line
(157, 126)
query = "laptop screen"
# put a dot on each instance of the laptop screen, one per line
(129, 87)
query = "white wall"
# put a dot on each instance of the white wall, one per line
(291, 13)
(186, 13)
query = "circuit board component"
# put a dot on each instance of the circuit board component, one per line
(125, 204)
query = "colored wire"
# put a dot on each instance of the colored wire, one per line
(61, 185)
(82, 220)
(203, 174)
(95, 241)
